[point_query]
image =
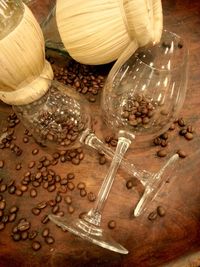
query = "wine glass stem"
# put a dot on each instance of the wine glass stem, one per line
(122, 146)
(93, 141)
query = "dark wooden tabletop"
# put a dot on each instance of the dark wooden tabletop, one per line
(150, 243)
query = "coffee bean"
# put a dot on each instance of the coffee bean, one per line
(35, 151)
(49, 240)
(1, 163)
(70, 186)
(35, 184)
(152, 216)
(55, 209)
(31, 164)
(75, 161)
(24, 235)
(129, 184)
(36, 211)
(14, 229)
(24, 188)
(45, 219)
(26, 139)
(81, 185)
(181, 153)
(3, 188)
(188, 136)
(36, 245)
(181, 122)
(164, 143)
(182, 132)
(161, 211)
(60, 213)
(64, 181)
(56, 155)
(58, 198)
(83, 192)
(13, 209)
(91, 196)
(2, 204)
(52, 203)
(51, 188)
(68, 200)
(190, 129)
(12, 217)
(41, 205)
(70, 209)
(102, 160)
(32, 235)
(2, 226)
(33, 192)
(5, 219)
(45, 232)
(162, 153)
(111, 224)
(16, 237)
(70, 176)
(172, 127)
(23, 226)
(164, 136)
(18, 192)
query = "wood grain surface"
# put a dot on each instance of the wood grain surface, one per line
(150, 243)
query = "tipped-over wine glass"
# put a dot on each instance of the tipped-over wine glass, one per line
(155, 89)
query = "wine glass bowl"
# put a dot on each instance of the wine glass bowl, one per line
(58, 118)
(145, 90)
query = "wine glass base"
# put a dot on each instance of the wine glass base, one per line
(89, 232)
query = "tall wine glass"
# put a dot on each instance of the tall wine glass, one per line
(155, 87)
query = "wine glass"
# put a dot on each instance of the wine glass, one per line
(154, 87)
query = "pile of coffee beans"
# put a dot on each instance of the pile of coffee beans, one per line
(139, 110)
(55, 119)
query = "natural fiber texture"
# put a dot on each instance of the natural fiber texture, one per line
(98, 31)
(22, 57)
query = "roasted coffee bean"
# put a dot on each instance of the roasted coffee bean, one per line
(18, 166)
(70, 209)
(81, 185)
(24, 188)
(75, 161)
(32, 235)
(45, 219)
(2, 204)
(35, 151)
(12, 217)
(14, 229)
(52, 203)
(33, 192)
(164, 136)
(24, 235)
(64, 181)
(68, 200)
(18, 192)
(129, 184)
(190, 129)
(26, 139)
(83, 192)
(35, 184)
(82, 214)
(182, 132)
(112, 224)
(162, 153)
(49, 240)
(36, 245)
(102, 160)
(172, 127)
(45, 185)
(5, 218)
(51, 188)
(46, 163)
(31, 164)
(181, 153)
(36, 211)
(161, 211)
(164, 143)
(157, 141)
(13, 209)
(12, 189)
(70, 176)
(70, 186)
(152, 216)
(40, 166)
(45, 232)
(56, 155)
(1, 163)
(188, 136)
(3, 188)
(55, 209)
(58, 198)
(54, 162)
(2, 226)
(16, 237)
(23, 226)
(181, 122)
(60, 213)
(91, 196)
(38, 175)
(41, 205)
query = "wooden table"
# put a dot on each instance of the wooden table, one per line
(150, 243)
